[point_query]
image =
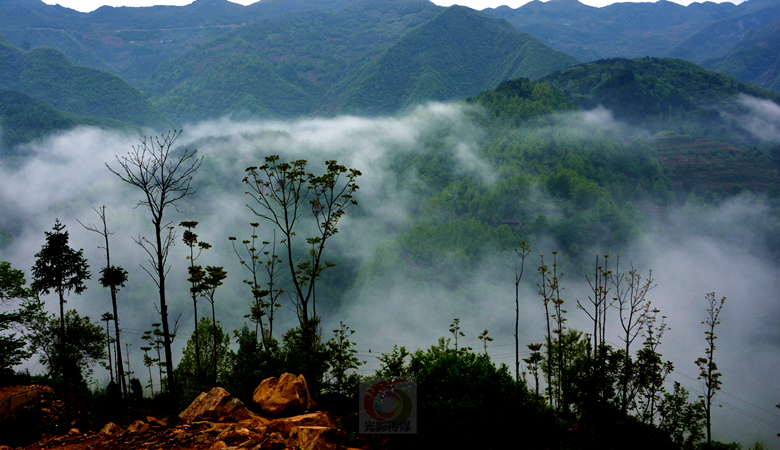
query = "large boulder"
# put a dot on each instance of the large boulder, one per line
(218, 405)
(285, 396)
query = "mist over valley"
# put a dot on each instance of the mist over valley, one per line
(471, 137)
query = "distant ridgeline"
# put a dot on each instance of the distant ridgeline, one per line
(271, 59)
(739, 40)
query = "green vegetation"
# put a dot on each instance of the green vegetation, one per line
(456, 54)
(46, 75)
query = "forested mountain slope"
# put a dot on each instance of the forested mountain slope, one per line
(457, 54)
(660, 94)
(23, 119)
(47, 75)
(369, 57)
(133, 42)
(756, 58)
(734, 39)
(620, 29)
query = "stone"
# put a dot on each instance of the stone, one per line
(273, 441)
(315, 438)
(73, 432)
(218, 405)
(218, 445)
(285, 396)
(286, 425)
(109, 429)
(137, 426)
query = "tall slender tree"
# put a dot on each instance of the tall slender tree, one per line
(108, 317)
(191, 240)
(708, 369)
(209, 281)
(550, 290)
(164, 178)
(111, 277)
(522, 252)
(261, 307)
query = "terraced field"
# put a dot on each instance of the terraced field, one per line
(712, 167)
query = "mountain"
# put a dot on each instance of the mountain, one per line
(756, 58)
(369, 57)
(133, 41)
(282, 66)
(24, 119)
(716, 40)
(660, 94)
(47, 75)
(739, 40)
(457, 54)
(620, 29)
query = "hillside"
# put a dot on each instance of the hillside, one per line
(754, 59)
(658, 94)
(739, 40)
(704, 166)
(457, 54)
(47, 75)
(24, 119)
(370, 57)
(133, 42)
(617, 30)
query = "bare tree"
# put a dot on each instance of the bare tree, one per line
(112, 277)
(599, 285)
(600, 288)
(164, 179)
(633, 309)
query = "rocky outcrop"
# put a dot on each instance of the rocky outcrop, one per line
(218, 405)
(285, 396)
(215, 420)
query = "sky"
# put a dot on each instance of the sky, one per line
(90, 5)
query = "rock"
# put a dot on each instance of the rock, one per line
(219, 428)
(73, 432)
(252, 424)
(219, 445)
(315, 438)
(273, 441)
(156, 423)
(283, 397)
(285, 426)
(109, 429)
(139, 426)
(218, 405)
